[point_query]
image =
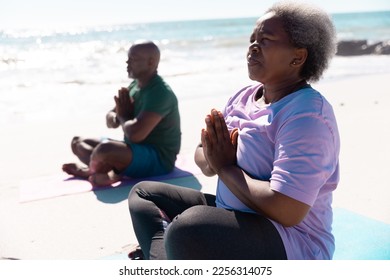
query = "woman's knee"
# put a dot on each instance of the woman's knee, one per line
(187, 227)
(142, 191)
(134, 195)
(190, 235)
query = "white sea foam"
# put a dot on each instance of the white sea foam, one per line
(56, 73)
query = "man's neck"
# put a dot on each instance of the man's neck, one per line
(144, 81)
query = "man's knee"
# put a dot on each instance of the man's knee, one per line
(103, 151)
(75, 142)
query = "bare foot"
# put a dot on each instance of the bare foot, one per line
(76, 170)
(103, 179)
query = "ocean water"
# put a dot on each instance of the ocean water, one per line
(41, 70)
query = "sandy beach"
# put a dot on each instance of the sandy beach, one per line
(96, 225)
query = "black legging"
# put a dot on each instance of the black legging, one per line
(197, 228)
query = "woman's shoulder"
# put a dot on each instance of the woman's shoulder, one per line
(244, 93)
(306, 100)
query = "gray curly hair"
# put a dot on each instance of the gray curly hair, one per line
(311, 28)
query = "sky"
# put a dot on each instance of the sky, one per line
(76, 13)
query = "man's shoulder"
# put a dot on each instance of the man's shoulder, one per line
(158, 80)
(158, 85)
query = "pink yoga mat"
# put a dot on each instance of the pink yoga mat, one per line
(63, 184)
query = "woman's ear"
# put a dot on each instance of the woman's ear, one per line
(299, 57)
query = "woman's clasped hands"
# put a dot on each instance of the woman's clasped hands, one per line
(219, 145)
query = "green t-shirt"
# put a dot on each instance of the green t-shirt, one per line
(159, 98)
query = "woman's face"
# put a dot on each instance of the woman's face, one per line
(270, 52)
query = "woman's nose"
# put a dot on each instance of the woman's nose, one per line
(254, 47)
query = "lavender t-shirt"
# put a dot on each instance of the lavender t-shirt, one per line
(293, 143)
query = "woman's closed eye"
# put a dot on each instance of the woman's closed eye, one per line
(264, 40)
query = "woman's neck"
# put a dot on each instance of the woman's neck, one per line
(272, 94)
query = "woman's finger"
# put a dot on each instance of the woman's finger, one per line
(205, 142)
(210, 129)
(222, 133)
(225, 130)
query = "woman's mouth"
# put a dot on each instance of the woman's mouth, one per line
(252, 61)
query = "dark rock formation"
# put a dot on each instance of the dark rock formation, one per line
(384, 48)
(362, 47)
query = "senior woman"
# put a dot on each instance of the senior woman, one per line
(275, 150)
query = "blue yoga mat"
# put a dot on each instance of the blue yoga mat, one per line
(359, 237)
